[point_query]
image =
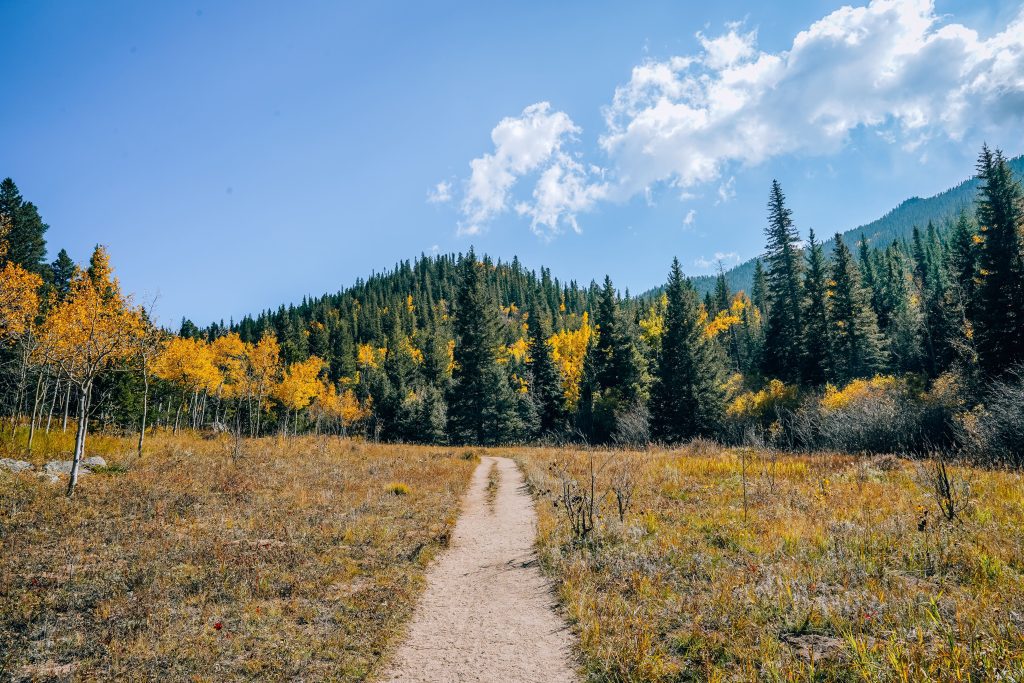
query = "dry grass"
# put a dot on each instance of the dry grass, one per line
(844, 570)
(300, 560)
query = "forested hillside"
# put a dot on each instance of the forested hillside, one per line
(884, 345)
(940, 210)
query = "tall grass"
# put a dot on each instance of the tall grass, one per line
(295, 560)
(845, 568)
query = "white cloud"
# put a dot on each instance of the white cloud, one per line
(441, 193)
(531, 142)
(725, 258)
(893, 67)
(689, 218)
(726, 190)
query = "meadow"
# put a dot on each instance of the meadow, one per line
(302, 558)
(295, 559)
(735, 564)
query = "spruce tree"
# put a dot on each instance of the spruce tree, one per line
(855, 343)
(999, 315)
(815, 366)
(687, 398)
(62, 271)
(783, 344)
(759, 289)
(26, 242)
(545, 381)
(482, 407)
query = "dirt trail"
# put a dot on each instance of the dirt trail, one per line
(487, 611)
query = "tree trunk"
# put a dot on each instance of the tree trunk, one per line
(145, 406)
(83, 427)
(67, 403)
(177, 414)
(35, 411)
(259, 413)
(53, 403)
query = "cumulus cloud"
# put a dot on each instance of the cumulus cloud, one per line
(441, 193)
(689, 218)
(893, 67)
(725, 258)
(530, 143)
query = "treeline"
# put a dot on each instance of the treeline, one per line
(911, 346)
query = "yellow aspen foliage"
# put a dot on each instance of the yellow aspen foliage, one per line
(19, 300)
(568, 350)
(414, 353)
(409, 306)
(857, 390)
(188, 363)
(350, 410)
(761, 403)
(300, 383)
(724, 320)
(516, 351)
(370, 356)
(229, 353)
(451, 355)
(652, 325)
(93, 328)
(520, 384)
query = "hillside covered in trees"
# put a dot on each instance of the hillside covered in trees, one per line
(941, 210)
(909, 340)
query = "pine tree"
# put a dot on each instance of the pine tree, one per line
(545, 381)
(26, 242)
(482, 406)
(904, 330)
(615, 377)
(855, 342)
(722, 296)
(687, 398)
(999, 316)
(815, 366)
(783, 344)
(62, 272)
(759, 290)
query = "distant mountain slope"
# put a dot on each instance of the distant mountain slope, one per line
(897, 225)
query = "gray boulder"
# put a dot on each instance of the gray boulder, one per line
(94, 461)
(58, 467)
(14, 466)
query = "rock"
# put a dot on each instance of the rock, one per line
(64, 466)
(14, 466)
(57, 467)
(49, 478)
(814, 646)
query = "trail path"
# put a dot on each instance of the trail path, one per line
(487, 611)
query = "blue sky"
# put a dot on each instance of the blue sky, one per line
(235, 156)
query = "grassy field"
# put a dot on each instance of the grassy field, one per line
(299, 560)
(834, 568)
(302, 558)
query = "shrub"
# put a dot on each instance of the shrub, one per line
(994, 432)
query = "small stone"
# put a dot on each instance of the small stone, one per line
(14, 466)
(94, 461)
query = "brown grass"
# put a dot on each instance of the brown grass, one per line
(298, 561)
(844, 570)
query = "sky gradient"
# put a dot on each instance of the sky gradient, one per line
(235, 156)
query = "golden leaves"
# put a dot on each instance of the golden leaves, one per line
(569, 349)
(19, 300)
(300, 383)
(93, 328)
